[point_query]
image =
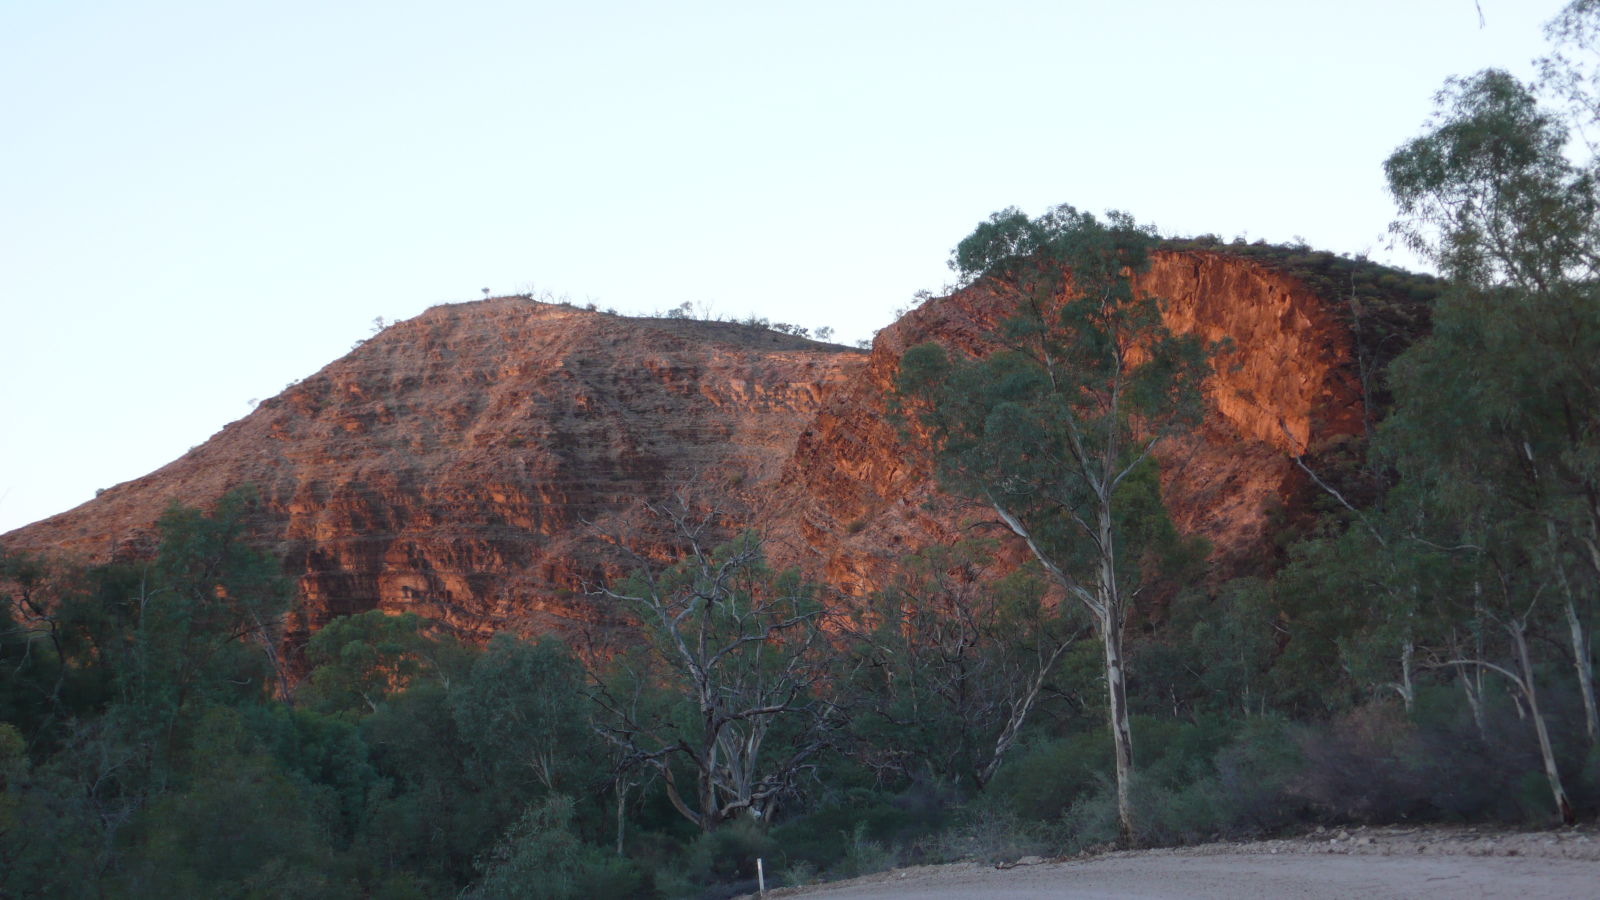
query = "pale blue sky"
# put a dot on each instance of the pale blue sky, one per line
(202, 201)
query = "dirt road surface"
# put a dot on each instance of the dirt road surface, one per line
(1375, 863)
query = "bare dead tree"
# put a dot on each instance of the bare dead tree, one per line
(733, 658)
(956, 659)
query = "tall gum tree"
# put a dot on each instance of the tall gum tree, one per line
(1049, 430)
(1499, 409)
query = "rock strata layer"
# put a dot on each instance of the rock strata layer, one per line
(456, 464)
(856, 496)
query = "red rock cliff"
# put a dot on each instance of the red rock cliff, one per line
(855, 498)
(448, 465)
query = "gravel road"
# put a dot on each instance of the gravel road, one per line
(1367, 863)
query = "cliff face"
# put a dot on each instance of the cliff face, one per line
(449, 466)
(855, 497)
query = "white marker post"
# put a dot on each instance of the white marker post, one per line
(761, 877)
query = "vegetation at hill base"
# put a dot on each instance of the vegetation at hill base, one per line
(1422, 650)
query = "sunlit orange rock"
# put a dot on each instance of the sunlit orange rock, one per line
(855, 497)
(458, 463)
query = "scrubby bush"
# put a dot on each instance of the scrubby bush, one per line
(991, 831)
(728, 855)
(1361, 767)
(542, 857)
(1252, 777)
(828, 835)
(1046, 779)
(864, 856)
(798, 874)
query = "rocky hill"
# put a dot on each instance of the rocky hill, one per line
(454, 464)
(1290, 383)
(448, 465)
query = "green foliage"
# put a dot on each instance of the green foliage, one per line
(1050, 427)
(30, 646)
(1201, 780)
(358, 661)
(207, 613)
(240, 827)
(951, 661)
(542, 857)
(13, 754)
(1253, 775)
(1217, 652)
(1051, 774)
(522, 712)
(1489, 193)
(43, 841)
(435, 820)
(729, 854)
(50, 839)
(856, 821)
(142, 751)
(326, 758)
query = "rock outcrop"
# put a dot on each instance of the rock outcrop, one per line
(856, 497)
(453, 464)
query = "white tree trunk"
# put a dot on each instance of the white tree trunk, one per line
(1407, 688)
(1580, 641)
(1546, 752)
(1121, 736)
(622, 802)
(1580, 659)
(1472, 686)
(1111, 622)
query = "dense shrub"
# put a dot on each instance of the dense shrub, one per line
(992, 831)
(543, 858)
(1045, 779)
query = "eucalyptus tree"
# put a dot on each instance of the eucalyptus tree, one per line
(1050, 430)
(1499, 408)
(207, 611)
